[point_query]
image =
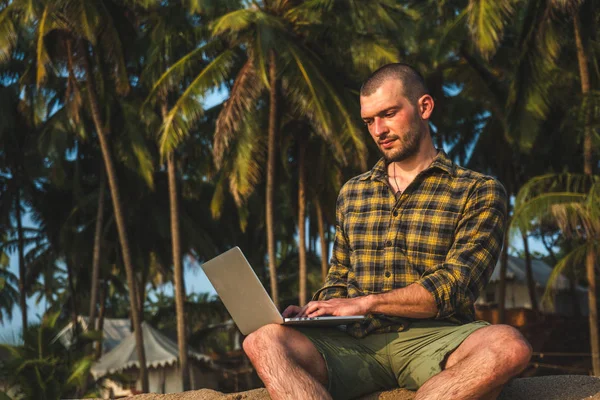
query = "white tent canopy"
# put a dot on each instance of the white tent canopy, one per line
(114, 330)
(160, 351)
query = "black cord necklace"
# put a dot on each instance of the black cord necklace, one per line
(396, 182)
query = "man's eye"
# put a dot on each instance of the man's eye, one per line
(368, 121)
(390, 114)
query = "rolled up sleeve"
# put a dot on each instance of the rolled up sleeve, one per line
(472, 257)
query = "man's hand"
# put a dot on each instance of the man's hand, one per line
(291, 311)
(335, 307)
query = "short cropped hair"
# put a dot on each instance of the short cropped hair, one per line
(413, 83)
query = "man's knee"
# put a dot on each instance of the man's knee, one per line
(263, 339)
(510, 349)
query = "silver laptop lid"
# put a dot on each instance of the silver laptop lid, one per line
(241, 291)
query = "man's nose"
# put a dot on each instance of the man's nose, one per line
(379, 127)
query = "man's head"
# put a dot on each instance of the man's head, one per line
(396, 106)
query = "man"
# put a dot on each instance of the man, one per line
(417, 238)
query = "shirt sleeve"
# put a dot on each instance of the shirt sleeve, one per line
(336, 283)
(473, 255)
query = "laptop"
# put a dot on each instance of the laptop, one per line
(247, 300)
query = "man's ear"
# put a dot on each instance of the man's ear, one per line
(426, 105)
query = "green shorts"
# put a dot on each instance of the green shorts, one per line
(382, 361)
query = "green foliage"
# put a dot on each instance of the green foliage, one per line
(41, 367)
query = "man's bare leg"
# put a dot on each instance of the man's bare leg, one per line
(288, 363)
(480, 366)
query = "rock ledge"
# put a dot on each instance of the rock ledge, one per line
(558, 387)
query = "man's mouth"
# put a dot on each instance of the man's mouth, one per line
(386, 144)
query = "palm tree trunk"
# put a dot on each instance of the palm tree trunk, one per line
(96, 271)
(140, 290)
(271, 178)
(502, 283)
(71, 283)
(324, 246)
(22, 269)
(119, 218)
(529, 274)
(103, 296)
(587, 168)
(590, 263)
(96, 254)
(584, 75)
(302, 217)
(178, 268)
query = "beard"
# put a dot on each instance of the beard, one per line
(410, 144)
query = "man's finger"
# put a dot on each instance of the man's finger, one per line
(302, 311)
(317, 313)
(308, 308)
(290, 311)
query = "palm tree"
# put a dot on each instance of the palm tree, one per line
(85, 31)
(571, 201)
(324, 182)
(95, 281)
(584, 75)
(167, 45)
(268, 50)
(20, 168)
(280, 58)
(540, 29)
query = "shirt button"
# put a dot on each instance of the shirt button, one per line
(388, 243)
(387, 274)
(395, 213)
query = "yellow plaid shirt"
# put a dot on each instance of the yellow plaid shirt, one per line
(444, 232)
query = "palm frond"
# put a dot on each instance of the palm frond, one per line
(487, 20)
(42, 56)
(248, 161)
(231, 24)
(173, 76)
(371, 53)
(218, 198)
(113, 48)
(568, 199)
(542, 206)
(242, 98)
(323, 105)
(80, 371)
(528, 96)
(8, 35)
(83, 17)
(574, 258)
(261, 48)
(567, 182)
(144, 166)
(210, 7)
(574, 220)
(188, 108)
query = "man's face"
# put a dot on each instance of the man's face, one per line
(393, 121)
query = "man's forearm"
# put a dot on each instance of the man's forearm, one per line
(412, 301)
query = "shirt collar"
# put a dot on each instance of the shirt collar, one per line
(441, 161)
